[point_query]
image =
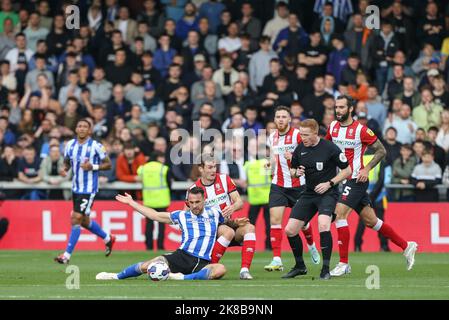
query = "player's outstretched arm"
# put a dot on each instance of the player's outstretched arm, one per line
(163, 217)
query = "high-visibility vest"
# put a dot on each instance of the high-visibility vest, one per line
(156, 193)
(259, 181)
(373, 176)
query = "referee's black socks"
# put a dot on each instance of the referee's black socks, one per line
(296, 245)
(326, 248)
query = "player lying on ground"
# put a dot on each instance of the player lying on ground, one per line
(220, 192)
(285, 189)
(86, 157)
(317, 160)
(353, 138)
(192, 259)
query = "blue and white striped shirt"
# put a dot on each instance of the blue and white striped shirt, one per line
(342, 8)
(198, 231)
(84, 182)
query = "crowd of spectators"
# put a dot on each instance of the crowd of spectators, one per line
(143, 70)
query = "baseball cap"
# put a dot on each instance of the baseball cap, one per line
(199, 57)
(362, 115)
(434, 60)
(432, 73)
(148, 87)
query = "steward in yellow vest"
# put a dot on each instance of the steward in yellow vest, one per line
(258, 188)
(156, 194)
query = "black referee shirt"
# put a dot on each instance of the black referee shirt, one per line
(320, 162)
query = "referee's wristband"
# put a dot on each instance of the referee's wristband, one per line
(331, 183)
(95, 167)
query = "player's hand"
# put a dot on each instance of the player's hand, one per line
(126, 199)
(228, 211)
(322, 187)
(301, 171)
(86, 166)
(241, 222)
(288, 155)
(362, 176)
(421, 185)
(63, 173)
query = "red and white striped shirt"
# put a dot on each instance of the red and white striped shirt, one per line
(279, 144)
(217, 194)
(353, 140)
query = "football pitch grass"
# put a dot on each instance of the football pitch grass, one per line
(34, 275)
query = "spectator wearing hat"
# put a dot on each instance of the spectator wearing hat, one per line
(428, 113)
(199, 62)
(361, 114)
(422, 63)
(152, 106)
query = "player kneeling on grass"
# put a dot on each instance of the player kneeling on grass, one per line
(316, 159)
(192, 259)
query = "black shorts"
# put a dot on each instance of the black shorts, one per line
(181, 261)
(82, 203)
(354, 195)
(310, 203)
(284, 197)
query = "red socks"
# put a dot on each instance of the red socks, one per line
(343, 239)
(248, 249)
(219, 249)
(308, 234)
(276, 239)
(388, 232)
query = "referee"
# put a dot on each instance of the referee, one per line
(317, 159)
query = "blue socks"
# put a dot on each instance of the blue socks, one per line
(203, 274)
(96, 229)
(74, 236)
(131, 271)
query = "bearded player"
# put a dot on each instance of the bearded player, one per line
(353, 139)
(285, 190)
(220, 192)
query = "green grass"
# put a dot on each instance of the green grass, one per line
(34, 275)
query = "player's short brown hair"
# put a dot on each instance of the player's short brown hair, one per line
(282, 108)
(310, 123)
(205, 157)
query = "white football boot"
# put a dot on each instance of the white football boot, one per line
(341, 269)
(106, 276)
(409, 254)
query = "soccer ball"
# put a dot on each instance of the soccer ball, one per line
(158, 271)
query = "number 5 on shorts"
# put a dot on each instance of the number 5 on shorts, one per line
(346, 191)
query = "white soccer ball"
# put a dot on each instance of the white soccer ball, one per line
(158, 271)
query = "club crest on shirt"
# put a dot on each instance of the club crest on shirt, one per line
(218, 187)
(319, 166)
(288, 139)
